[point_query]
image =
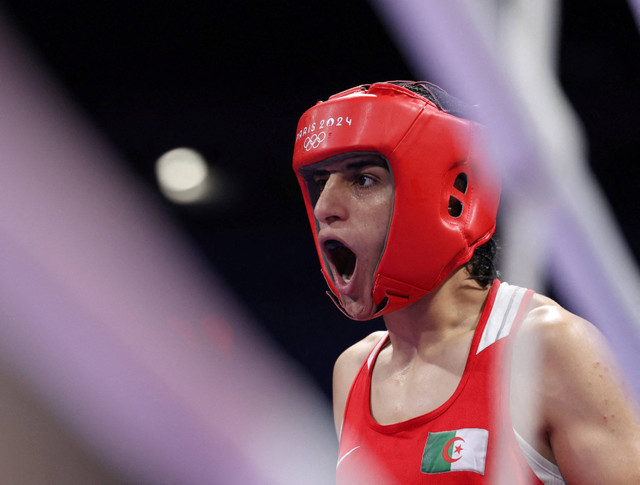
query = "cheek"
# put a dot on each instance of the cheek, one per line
(382, 218)
(374, 234)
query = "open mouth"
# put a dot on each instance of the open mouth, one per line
(342, 258)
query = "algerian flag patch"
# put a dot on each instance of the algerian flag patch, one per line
(458, 450)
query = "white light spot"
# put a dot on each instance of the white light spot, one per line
(184, 176)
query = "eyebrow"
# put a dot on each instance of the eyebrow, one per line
(354, 166)
(367, 163)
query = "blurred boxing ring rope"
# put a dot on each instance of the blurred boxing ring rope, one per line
(635, 7)
(110, 320)
(555, 221)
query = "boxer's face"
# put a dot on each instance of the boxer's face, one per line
(353, 209)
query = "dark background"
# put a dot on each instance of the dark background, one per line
(230, 79)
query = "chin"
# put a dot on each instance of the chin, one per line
(359, 310)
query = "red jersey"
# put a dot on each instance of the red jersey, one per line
(457, 442)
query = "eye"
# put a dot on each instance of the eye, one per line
(319, 181)
(365, 180)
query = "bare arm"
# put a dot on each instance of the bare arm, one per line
(344, 372)
(591, 422)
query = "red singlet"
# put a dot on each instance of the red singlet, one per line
(458, 441)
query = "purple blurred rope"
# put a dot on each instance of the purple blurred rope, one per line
(587, 259)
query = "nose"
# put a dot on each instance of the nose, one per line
(331, 204)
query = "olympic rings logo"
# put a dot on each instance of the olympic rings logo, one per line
(314, 140)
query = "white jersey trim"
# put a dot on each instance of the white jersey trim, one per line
(503, 314)
(374, 352)
(546, 471)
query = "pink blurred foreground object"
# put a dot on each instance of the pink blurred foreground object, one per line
(108, 318)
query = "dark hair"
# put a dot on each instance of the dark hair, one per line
(483, 265)
(438, 96)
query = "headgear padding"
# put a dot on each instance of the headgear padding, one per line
(445, 196)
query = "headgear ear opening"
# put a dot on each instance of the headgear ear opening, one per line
(455, 204)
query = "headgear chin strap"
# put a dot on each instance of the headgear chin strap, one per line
(445, 195)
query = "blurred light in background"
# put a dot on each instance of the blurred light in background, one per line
(185, 177)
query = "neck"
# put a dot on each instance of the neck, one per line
(451, 310)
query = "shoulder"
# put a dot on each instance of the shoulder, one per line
(354, 356)
(560, 334)
(568, 347)
(583, 404)
(350, 361)
(345, 370)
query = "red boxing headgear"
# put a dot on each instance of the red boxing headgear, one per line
(445, 194)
